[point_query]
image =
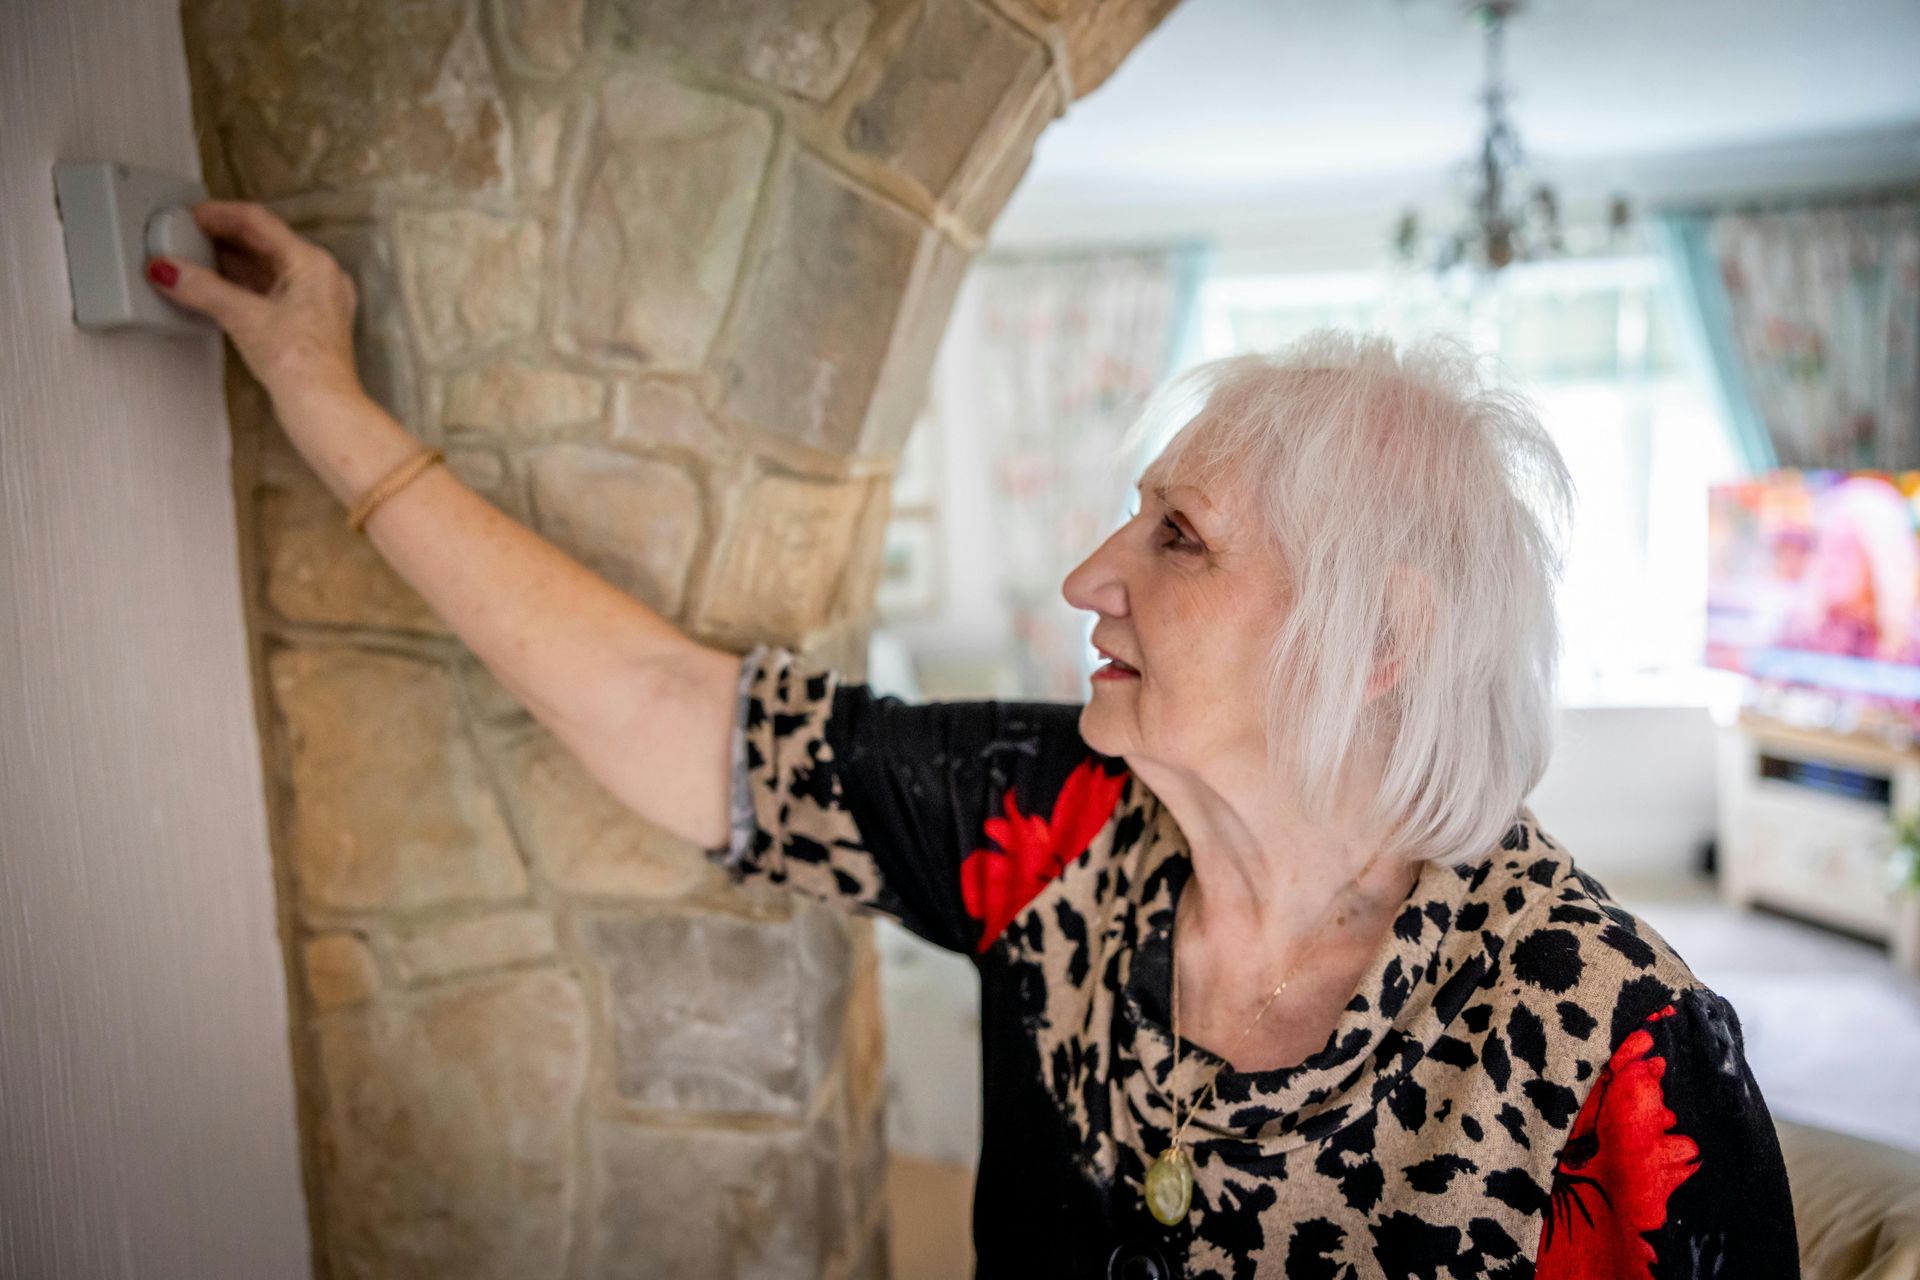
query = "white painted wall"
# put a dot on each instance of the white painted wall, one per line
(146, 1096)
(1630, 790)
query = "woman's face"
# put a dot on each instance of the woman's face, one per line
(1188, 595)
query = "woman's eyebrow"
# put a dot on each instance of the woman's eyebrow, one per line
(1190, 497)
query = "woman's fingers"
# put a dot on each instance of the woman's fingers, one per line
(285, 301)
(252, 225)
(244, 268)
(231, 306)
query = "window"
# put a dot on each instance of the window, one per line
(1593, 343)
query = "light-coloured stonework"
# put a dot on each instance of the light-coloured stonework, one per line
(664, 278)
(668, 180)
(634, 521)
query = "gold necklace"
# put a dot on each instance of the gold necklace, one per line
(1169, 1185)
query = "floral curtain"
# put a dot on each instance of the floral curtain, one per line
(1070, 349)
(1811, 318)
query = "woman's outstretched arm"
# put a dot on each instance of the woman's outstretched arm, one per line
(645, 708)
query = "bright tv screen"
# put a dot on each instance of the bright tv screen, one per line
(1813, 579)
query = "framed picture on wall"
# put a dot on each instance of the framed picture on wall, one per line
(909, 568)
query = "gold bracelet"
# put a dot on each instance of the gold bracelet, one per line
(390, 485)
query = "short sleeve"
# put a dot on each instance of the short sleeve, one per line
(1672, 1166)
(945, 816)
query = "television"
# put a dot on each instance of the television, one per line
(1813, 581)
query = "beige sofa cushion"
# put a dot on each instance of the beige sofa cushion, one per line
(1856, 1205)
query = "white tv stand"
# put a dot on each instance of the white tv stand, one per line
(1803, 821)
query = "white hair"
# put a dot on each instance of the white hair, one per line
(1419, 514)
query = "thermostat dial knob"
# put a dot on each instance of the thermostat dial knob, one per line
(172, 233)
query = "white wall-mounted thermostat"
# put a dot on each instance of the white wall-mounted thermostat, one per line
(114, 217)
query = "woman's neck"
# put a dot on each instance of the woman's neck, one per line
(1266, 877)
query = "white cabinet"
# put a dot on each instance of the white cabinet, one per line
(1803, 824)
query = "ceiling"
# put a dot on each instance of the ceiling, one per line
(1234, 96)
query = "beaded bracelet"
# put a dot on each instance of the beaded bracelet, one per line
(389, 485)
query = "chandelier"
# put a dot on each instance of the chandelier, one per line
(1510, 216)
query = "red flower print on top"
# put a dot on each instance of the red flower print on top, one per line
(996, 884)
(1621, 1161)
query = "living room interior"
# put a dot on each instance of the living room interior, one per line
(323, 958)
(1715, 216)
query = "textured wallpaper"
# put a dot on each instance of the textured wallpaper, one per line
(146, 1098)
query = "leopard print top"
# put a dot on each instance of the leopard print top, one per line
(1527, 1081)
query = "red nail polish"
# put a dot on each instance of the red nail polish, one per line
(162, 273)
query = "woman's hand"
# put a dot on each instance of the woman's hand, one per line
(282, 299)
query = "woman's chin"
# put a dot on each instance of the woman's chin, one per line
(1103, 727)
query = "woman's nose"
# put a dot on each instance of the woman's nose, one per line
(1095, 585)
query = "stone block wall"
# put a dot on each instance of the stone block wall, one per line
(664, 278)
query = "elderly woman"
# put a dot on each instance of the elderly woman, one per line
(1278, 975)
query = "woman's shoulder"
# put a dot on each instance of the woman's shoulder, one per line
(1563, 936)
(1671, 1153)
(1567, 978)
(973, 806)
(1595, 1037)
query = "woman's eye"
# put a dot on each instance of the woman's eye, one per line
(1178, 539)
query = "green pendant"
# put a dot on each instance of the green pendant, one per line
(1170, 1186)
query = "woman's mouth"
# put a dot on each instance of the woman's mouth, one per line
(1113, 668)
